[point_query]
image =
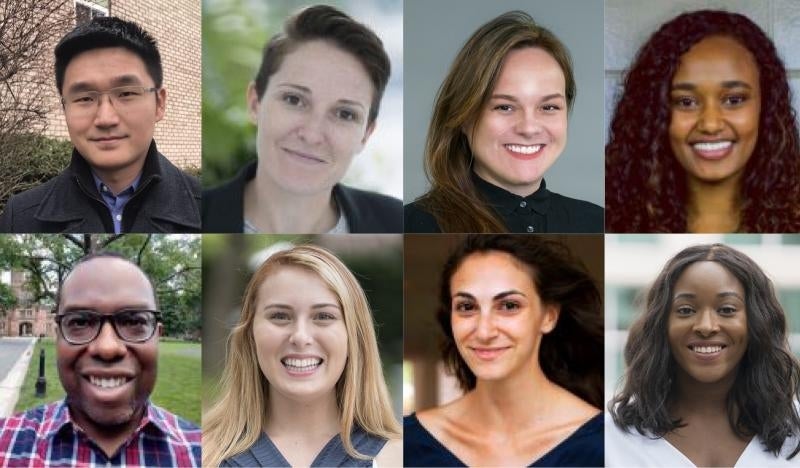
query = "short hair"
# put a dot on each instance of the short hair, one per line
(326, 23)
(645, 184)
(762, 399)
(464, 92)
(237, 419)
(571, 354)
(105, 32)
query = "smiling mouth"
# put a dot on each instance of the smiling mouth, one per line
(712, 149)
(524, 149)
(108, 382)
(707, 349)
(305, 157)
(301, 365)
(488, 354)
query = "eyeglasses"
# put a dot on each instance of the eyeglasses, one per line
(83, 103)
(79, 327)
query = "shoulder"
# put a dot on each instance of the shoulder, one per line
(173, 174)
(576, 215)
(181, 435)
(370, 212)
(417, 219)
(584, 447)
(421, 447)
(391, 454)
(223, 205)
(18, 214)
(20, 433)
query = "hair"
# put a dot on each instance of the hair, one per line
(645, 184)
(571, 354)
(464, 93)
(767, 384)
(326, 23)
(236, 420)
(104, 32)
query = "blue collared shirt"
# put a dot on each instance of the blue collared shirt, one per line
(116, 203)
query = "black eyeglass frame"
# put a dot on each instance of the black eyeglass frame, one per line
(111, 318)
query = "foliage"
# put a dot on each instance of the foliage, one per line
(28, 161)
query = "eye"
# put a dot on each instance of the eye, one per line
(734, 100)
(684, 311)
(551, 108)
(324, 316)
(79, 320)
(82, 99)
(348, 115)
(464, 307)
(279, 317)
(509, 305)
(505, 108)
(684, 102)
(727, 310)
(293, 100)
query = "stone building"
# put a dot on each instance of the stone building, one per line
(27, 318)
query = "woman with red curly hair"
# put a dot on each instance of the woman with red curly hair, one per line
(704, 138)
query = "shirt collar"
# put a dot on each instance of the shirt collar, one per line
(61, 419)
(100, 185)
(505, 202)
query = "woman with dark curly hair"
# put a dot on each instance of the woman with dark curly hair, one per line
(522, 321)
(711, 380)
(704, 138)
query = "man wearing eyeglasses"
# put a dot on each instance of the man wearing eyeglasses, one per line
(110, 78)
(107, 352)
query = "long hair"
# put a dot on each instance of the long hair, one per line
(767, 385)
(645, 184)
(236, 420)
(464, 92)
(570, 355)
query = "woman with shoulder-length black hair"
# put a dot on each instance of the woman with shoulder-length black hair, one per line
(711, 380)
(522, 322)
(704, 137)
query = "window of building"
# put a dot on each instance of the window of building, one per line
(85, 10)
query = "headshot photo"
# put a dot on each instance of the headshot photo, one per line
(702, 350)
(102, 130)
(502, 105)
(504, 340)
(303, 368)
(302, 117)
(106, 353)
(702, 130)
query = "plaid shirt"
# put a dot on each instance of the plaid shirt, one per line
(46, 436)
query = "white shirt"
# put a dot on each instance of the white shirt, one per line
(635, 450)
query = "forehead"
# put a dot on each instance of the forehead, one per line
(530, 69)
(106, 283)
(104, 65)
(290, 282)
(718, 58)
(707, 276)
(492, 269)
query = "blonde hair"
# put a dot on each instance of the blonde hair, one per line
(236, 420)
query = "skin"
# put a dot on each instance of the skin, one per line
(708, 310)
(716, 97)
(108, 415)
(498, 321)
(528, 106)
(114, 143)
(312, 121)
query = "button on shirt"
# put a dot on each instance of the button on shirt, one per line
(116, 203)
(519, 214)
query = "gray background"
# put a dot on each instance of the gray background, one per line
(435, 32)
(629, 23)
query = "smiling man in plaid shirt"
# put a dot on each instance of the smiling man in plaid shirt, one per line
(107, 353)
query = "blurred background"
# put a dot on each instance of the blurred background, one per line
(234, 35)
(376, 260)
(634, 260)
(425, 381)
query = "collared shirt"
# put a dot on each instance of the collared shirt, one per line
(47, 436)
(116, 203)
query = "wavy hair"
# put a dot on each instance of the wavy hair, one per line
(767, 385)
(236, 420)
(464, 92)
(570, 355)
(645, 184)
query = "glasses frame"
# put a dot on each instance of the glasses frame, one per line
(110, 319)
(108, 92)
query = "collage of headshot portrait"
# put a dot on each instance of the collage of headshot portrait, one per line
(399, 233)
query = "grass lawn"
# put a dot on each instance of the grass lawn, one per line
(177, 386)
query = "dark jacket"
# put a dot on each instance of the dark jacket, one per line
(166, 200)
(366, 212)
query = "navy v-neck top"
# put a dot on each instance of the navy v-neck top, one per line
(584, 447)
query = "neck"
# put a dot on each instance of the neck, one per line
(287, 212)
(306, 419)
(713, 207)
(109, 438)
(697, 398)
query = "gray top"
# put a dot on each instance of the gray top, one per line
(265, 453)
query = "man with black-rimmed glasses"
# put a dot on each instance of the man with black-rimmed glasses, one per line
(107, 353)
(110, 78)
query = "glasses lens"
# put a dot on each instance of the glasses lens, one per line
(127, 94)
(79, 326)
(135, 325)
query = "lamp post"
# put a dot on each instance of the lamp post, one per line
(41, 382)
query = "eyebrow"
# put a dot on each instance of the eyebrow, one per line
(323, 305)
(307, 90)
(122, 80)
(722, 294)
(498, 296)
(514, 98)
(686, 86)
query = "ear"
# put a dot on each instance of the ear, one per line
(161, 103)
(253, 104)
(550, 319)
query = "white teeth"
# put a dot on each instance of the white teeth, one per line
(107, 382)
(525, 149)
(707, 349)
(712, 146)
(301, 365)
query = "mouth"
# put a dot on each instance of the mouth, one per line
(524, 151)
(489, 354)
(707, 351)
(301, 366)
(108, 382)
(305, 157)
(712, 150)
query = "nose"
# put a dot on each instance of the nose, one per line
(487, 329)
(312, 128)
(710, 119)
(106, 115)
(706, 323)
(107, 346)
(528, 124)
(300, 335)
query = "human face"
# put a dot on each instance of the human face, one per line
(300, 334)
(715, 105)
(108, 380)
(522, 129)
(112, 141)
(707, 326)
(497, 316)
(312, 118)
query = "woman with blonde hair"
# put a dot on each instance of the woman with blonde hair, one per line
(303, 384)
(499, 123)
